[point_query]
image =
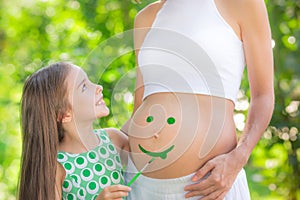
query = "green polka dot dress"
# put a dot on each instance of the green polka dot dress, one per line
(88, 173)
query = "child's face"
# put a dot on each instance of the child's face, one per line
(85, 97)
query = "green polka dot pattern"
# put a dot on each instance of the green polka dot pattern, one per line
(88, 173)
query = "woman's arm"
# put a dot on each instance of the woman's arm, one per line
(142, 24)
(138, 96)
(256, 36)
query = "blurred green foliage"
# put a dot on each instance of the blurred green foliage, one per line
(96, 34)
(277, 156)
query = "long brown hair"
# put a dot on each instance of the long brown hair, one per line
(44, 101)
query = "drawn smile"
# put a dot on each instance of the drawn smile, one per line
(162, 155)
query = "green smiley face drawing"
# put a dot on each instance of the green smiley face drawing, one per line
(162, 154)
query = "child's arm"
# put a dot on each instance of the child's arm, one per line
(59, 178)
(114, 192)
(120, 140)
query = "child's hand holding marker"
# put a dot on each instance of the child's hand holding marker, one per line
(114, 192)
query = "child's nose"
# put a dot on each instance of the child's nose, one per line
(99, 89)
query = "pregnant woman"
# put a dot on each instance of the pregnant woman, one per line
(191, 57)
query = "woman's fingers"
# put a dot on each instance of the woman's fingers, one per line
(222, 171)
(201, 193)
(217, 195)
(200, 187)
(210, 165)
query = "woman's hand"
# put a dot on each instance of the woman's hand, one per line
(115, 192)
(222, 171)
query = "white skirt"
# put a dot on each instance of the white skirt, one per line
(145, 188)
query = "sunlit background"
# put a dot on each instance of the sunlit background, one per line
(34, 33)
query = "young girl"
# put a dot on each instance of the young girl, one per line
(63, 157)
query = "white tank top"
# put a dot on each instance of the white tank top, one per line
(191, 49)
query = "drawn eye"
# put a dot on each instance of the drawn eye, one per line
(171, 120)
(83, 87)
(149, 119)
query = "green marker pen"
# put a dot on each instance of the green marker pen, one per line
(140, 172)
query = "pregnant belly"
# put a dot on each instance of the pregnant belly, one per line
(181, 131)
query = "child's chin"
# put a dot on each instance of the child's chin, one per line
(103, 113)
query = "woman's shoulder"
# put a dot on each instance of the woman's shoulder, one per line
(145, 17)
(242, 8)
(251, 14)
(243, 14)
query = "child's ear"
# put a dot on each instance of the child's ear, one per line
(67, 117)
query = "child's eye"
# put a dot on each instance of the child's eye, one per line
(83, 87)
